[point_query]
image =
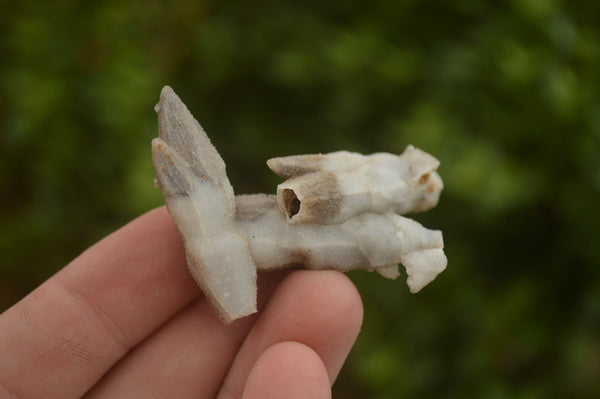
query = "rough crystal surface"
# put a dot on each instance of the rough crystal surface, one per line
(340, 211)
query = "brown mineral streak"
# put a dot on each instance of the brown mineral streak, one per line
(319, 197)
(300, 257)
(295, 165)
(326, 196)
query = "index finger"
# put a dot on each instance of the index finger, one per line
(60, 339)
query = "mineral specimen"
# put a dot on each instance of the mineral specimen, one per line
(339, 211)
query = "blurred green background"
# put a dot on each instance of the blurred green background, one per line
(506, 94)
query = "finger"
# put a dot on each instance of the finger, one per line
(60, 339)
(320, 309)
(186, 358)
(288, 370)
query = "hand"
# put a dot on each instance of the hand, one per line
(125, 320)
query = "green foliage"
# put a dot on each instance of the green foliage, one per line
(505, 94)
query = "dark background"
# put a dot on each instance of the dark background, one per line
(506, 94)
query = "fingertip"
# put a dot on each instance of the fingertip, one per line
(328, 298)
(288, 370)
(320, 308)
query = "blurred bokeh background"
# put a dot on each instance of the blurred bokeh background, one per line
(506, 94)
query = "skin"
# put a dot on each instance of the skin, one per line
(126, 320)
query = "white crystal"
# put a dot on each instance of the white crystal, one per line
(332, 188)
(339, 211)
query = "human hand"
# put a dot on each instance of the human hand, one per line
(124, 319)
